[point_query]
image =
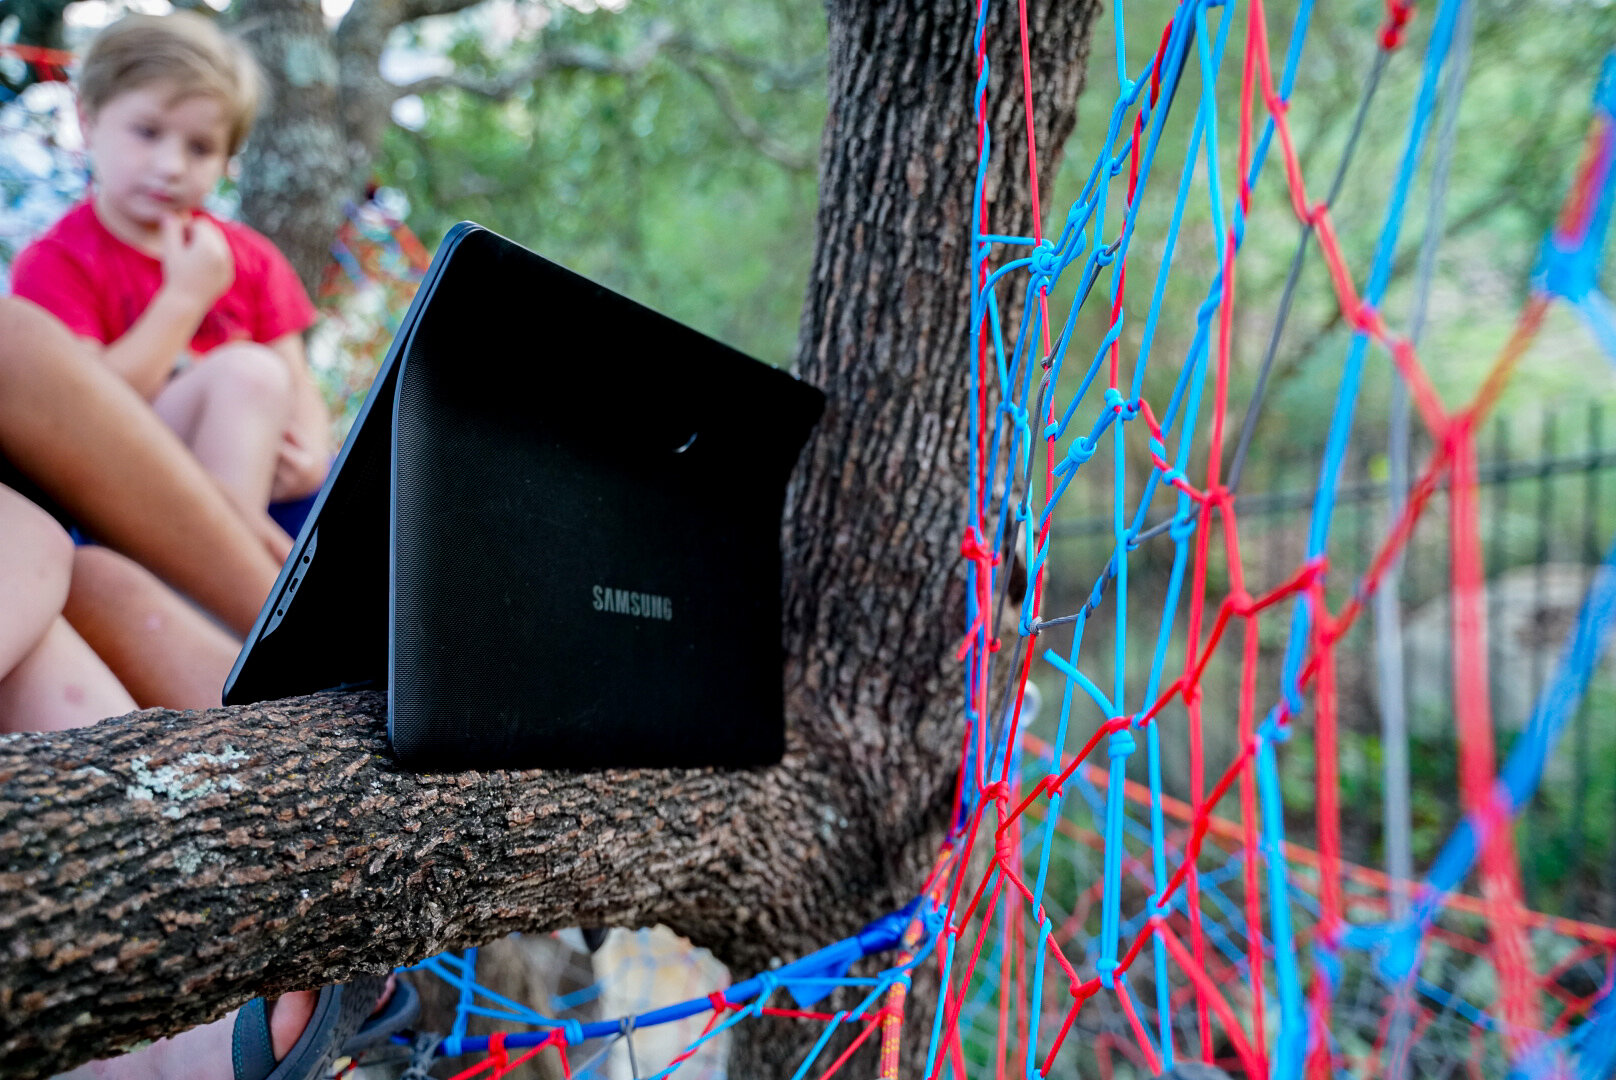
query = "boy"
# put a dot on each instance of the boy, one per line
(202, 317)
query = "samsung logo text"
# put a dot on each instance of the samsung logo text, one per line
(624, 602)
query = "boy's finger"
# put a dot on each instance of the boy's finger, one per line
(172, 231)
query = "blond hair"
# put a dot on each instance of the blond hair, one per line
(183, 49)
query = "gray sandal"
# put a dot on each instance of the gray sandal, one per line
(341, 1026)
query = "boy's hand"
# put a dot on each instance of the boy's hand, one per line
(196, 259)
(299, 468)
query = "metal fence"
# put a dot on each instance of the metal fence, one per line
(1547, 512)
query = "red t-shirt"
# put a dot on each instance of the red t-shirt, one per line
(98, 285)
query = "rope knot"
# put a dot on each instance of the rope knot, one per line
(1080, 451)
(1074, 220)
(1045, 259)
(1121, 744)
(1282, 726)
(497, 1052)
(971, 547)
(1397, 16)
(719, 1003)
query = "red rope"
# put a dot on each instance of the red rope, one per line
(49, 64)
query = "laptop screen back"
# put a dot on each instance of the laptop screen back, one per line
(553, 534)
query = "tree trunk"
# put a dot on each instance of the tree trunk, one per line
(876, 602)
(326, 110)
(296, 174)
(158, 869)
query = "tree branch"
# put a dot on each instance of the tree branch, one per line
(571, 58)
(410, 10)
(747, 125)
(773, 76)
(159, 869)
(662, 39)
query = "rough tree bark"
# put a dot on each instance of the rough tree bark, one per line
(158, 869)
(297, 171)
(875, 602)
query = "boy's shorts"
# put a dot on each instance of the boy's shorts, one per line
(291, 514)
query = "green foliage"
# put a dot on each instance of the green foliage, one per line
(640, 179)
(1521, 128)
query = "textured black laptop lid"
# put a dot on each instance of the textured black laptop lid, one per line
(586, 529)
(584, 540)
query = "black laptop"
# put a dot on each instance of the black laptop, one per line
(552, 536)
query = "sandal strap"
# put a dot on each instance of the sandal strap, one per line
(339, 1011)
(252, 1054)
(400, 1013)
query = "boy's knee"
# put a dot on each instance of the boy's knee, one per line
(253, 371)
(37, 542)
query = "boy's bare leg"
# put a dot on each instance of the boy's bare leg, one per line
(36, 560)
(231, 409)
(61, 684)
(49, 678)
(161, 648)
(92, 443)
